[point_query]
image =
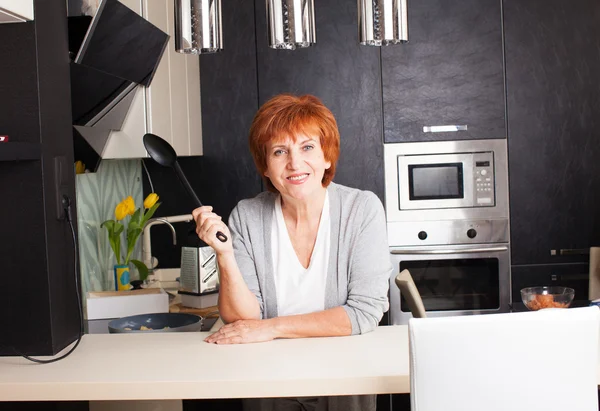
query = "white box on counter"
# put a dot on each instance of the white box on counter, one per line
(117, 304)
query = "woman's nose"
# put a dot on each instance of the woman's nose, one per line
(293, 160)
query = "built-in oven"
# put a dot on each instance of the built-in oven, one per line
(453, 280)
(448, 224)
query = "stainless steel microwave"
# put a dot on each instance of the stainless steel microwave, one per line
(446, 180)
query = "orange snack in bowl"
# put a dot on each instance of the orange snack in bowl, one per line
(544, 301)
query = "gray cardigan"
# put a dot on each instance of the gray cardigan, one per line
(359, 262)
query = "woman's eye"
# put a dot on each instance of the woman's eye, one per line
(308, 147)
(278, 152)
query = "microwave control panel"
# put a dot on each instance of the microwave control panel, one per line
(484, 181)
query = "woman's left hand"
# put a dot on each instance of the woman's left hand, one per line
(243, 332)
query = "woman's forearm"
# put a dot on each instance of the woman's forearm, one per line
(332, 322)
(236, 301)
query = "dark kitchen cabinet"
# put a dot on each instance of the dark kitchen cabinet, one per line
(38, 301)
(573, 275)
(449, 73)
(553, 99)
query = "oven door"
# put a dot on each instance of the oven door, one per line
(453, 280)
(435, 181)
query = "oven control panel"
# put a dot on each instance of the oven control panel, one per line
(483, 176)
(447, 232)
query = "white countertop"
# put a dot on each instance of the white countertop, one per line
(144, 366)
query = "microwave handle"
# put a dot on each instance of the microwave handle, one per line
(464, 251)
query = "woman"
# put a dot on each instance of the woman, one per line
(308, 258)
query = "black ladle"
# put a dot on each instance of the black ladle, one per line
(165, 155)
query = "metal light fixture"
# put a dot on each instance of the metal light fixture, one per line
(291, 23)
(382, 22)
(198, 26)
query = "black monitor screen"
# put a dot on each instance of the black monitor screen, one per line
(122, 43)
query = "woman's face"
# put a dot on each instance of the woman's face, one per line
(296, 166)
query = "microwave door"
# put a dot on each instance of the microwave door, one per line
(435, 181)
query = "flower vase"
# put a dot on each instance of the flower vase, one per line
(121, 277)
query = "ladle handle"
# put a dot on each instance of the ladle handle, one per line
(222, 237)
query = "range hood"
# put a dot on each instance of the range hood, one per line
(111, 55)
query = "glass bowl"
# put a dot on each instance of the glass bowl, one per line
(537, 298)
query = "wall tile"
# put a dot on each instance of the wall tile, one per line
(97, 196)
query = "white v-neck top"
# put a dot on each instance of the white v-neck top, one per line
(299, 290)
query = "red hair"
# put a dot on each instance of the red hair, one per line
(288, 115)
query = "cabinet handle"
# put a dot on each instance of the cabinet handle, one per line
(444, 129)
(570, 251)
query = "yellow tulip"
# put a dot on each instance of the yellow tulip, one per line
(150, 200)
(120, 211)
(129, 205)
(79, 167)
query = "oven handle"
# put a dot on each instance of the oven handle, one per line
(454, 251)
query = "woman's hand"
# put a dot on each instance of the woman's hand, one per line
(207, 226)
(243, 332)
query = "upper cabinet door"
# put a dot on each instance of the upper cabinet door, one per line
(450, 73)
(15, 11)
(553, 96)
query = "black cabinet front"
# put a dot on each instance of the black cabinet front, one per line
(449, 73)
(553, 96)
(574, 276)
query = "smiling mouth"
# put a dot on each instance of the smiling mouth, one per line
(297, 178)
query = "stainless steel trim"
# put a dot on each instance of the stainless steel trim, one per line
(449, 251)
(444, 129)
(570, 251)
(427, 234)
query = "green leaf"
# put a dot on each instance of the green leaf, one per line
(118, 228)
(149, 214)
(132, 236)
(135, 218)
(109, 224)
(142, 269)
(133, 225)
(117, 248)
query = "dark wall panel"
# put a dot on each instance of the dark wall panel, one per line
(225, 174)
(229, 101)
(449, 73)
(553, 96)
(344, 75)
